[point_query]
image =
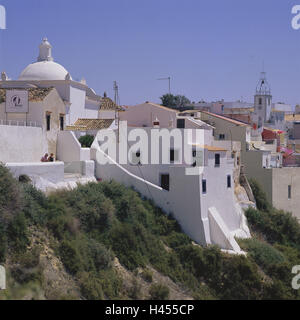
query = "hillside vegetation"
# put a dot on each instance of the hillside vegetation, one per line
(103, 241)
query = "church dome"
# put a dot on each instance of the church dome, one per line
(45, 68)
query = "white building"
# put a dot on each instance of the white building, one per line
(80, 100)
(205, 203)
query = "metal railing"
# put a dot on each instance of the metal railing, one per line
(20, 123)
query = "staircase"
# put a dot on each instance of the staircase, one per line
(69, 177)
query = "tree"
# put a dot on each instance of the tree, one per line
(168, 100)
(86, 141)
(181, 101)
(174, 102)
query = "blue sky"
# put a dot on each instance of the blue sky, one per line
(211, 49)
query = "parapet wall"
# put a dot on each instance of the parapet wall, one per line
(21, 144)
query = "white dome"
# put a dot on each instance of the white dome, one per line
(44, 70)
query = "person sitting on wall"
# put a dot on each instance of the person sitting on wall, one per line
(51, 158)
(45, 158)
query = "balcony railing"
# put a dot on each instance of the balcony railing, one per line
(19, 123)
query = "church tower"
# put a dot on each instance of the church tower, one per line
(262, 102)
(45, 51)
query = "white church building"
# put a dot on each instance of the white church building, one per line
(81, 101)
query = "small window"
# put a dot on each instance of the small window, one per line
(165, 181)
(260, 101)
(204, 189)
(238, 161)
(180, 123)
(48, 122)
(217, 160)
(229, 181)
(61, 122)
(290, 192)
(222, 137)
(172, 155)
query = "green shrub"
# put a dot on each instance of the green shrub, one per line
(86, 141)
(159, 292)
(24, 178)
(3, 244)
(262, 253)
(27, 266)
(90, 286)
(147, 275)
(18, 233)
(10, 196)
(70, 257)
(102, 258)
(260, 196)
(277, 226)
(34, 205)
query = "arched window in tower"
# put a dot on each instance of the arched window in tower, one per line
(260, 101)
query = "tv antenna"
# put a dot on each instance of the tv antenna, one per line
(116, 91)
(169, 79)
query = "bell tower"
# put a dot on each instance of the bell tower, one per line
(262, 101)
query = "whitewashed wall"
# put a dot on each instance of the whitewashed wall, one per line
(21, 144)
(69, 149)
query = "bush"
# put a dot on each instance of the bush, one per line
(24, 178)
(70, 257)
(18, 233)
(159, 292)
(260, 196)
(147, 275)
(262, 253)
(86, 141)
(27, 267)
(3, 244)
(90, 286)
(277, 226)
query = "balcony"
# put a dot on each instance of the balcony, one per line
(20, 123)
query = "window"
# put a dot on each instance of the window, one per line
(204, 190)
(61, 122)
(221, 136)
(229, 181)
(180, 123)
(48, 121)
(165, 181)
(172, 155)
(217, 160)
(260, 101)
(290, 192)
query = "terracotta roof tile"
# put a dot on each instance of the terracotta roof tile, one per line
(34, 94)
(90, 124)
(239, 123)
(108, 104)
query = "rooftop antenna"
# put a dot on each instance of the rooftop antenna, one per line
(169, 79)
(117, 101)
(116, 91)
